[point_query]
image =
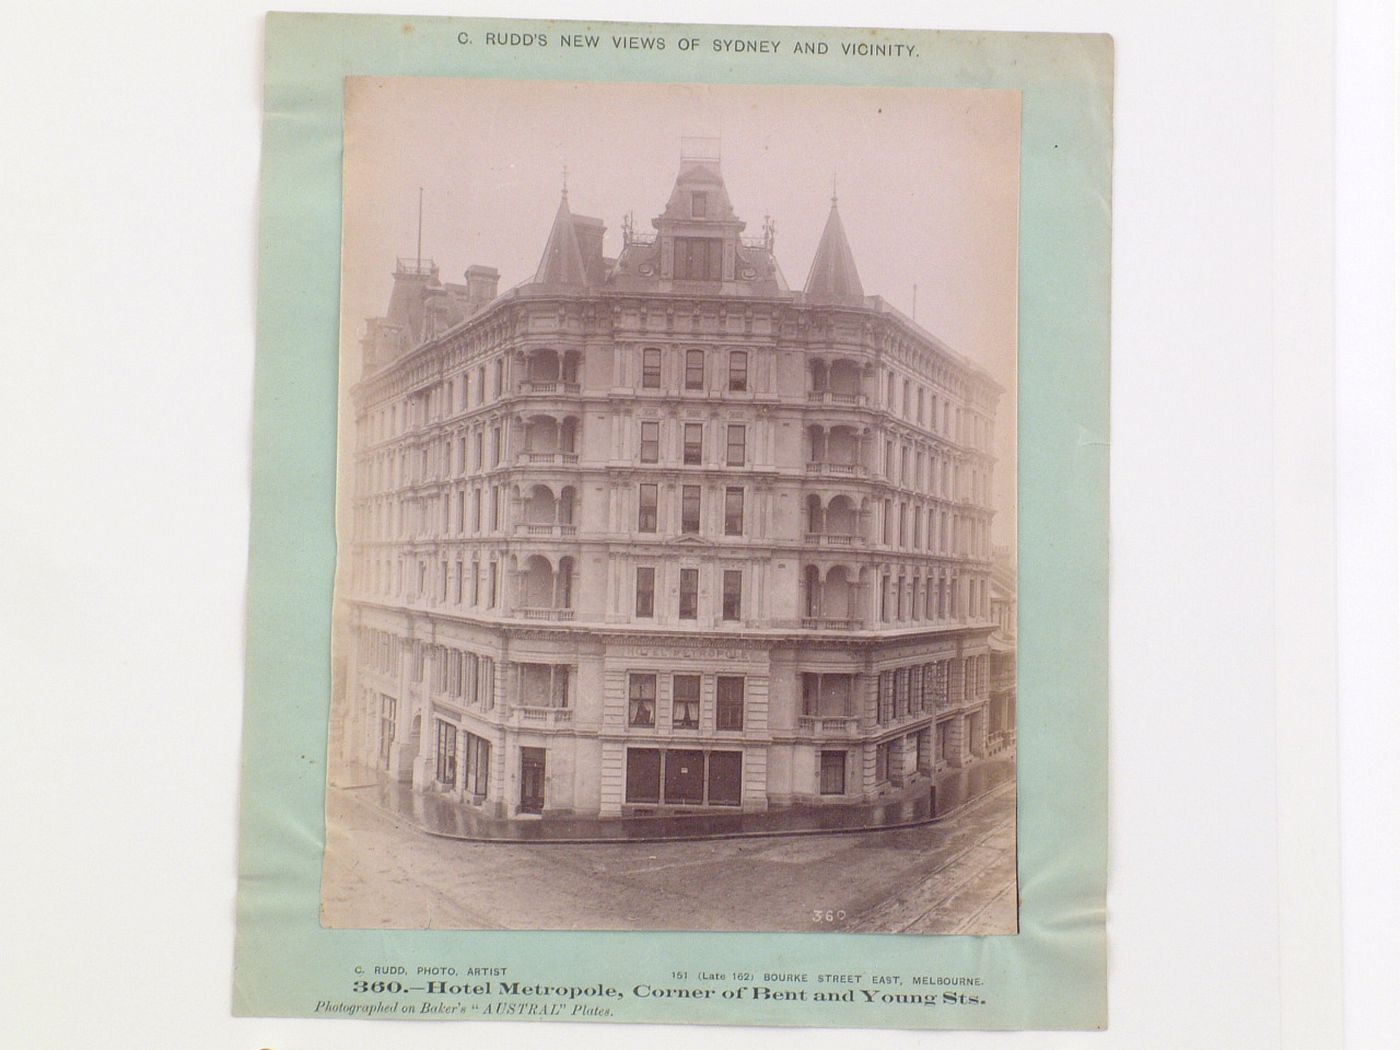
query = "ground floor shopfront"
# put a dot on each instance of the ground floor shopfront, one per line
(531, 723)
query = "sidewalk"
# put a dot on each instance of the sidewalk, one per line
(449, 819)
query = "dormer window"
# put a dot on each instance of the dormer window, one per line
(698, 205)
(698, 259)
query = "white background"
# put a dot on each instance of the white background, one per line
(129, 141)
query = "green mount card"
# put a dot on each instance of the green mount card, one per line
(678, 576)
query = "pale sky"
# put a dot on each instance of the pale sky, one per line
(927, 181)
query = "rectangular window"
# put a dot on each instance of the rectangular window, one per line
(491, 587)
(885, 710)
(690, 508)
(734, 512)
(646, 508)
(446, 753)
(729, 702)
(641, 699)
(651, 369)
(685, 701)
(693, 444)
(689, 595)
(882, 762)
(698, 203)
(738, 370)
(651, 442)
(734, 446)
(833, 776)
(698, 259)
(646, 592)
(496, 447)
(477, 775)
(695, 370)
(733, 588)
(497, 376)
(478, 441)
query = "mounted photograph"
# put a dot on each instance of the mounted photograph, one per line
(676, 584)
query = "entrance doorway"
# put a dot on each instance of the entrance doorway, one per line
(685, 777)
(532, 780)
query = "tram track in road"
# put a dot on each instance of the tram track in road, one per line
(878, 918)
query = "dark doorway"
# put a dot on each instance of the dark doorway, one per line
(531, 779)
(643, 775)
(726, 777)
(685, 777)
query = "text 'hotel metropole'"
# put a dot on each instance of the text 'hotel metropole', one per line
(658, 533)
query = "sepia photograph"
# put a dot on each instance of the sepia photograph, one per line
(676, 584)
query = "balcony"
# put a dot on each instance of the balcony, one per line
(831, 397)
(542, 715)
(549, 386)
(526, 613)
(546, 458)
(827, 539)
(830, 623)
(525, 528)
(828, 726)
(837, 469)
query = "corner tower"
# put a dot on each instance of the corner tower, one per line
(833, 277)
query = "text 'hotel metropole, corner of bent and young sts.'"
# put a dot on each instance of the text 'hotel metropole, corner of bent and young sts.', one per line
(659, 534)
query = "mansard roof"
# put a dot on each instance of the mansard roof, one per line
(833, 277)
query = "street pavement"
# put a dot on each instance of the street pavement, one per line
(956, 875)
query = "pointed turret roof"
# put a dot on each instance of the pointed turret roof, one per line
(833, 276)
(562, 262)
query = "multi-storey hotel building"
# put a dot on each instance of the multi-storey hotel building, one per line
(659, 533)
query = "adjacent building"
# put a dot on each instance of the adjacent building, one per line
(659, 533)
